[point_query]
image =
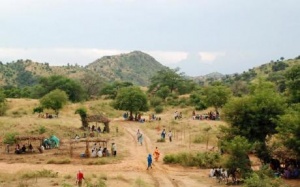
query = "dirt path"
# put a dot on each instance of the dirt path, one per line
(133, 165)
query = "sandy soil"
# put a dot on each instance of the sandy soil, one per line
(129, 171)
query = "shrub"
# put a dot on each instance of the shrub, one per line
(155, 101)
(203, 160)
(40, 174)
(161, 140)
(263, 178)
(42, 130)
(159, 109)
(198, 139)
(9, 138)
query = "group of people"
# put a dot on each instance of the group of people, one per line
(163, 135)
(291, 169)
(156, 154)
(209, 116)
(177, 115)
(23, 149)
(103, 152)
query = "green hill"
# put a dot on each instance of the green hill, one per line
(136, 67)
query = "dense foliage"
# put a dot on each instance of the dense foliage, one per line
(200, 159)
(71, 87)
(3, 104)
(253, 116)
(54, 100)
(132, 99)
(111, 90)
(289, 126)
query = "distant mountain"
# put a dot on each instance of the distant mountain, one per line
(211, 77)
(136, 67)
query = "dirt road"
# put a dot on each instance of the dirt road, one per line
(131, 167)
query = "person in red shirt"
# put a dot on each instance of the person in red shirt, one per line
(79, 178)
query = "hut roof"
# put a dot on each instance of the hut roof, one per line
(30, 137)
(97, 118)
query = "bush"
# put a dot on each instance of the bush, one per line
(42, 130)
(40, 174)
(155, 101)
(203, 160)
(161, 140)
(159, 109)
(9, 138)
(263, 178)
(198, 139)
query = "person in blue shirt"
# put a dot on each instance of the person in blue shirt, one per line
(149, 159)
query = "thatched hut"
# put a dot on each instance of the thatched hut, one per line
(99, 118)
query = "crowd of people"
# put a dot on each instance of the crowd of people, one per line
(98, 151)
(209, 116)
(24, 149)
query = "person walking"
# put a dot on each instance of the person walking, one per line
(156, 154)
(140, 139)
(114, 149)
(163, 134)
(79, 177)
(170, 136)
(149, 159)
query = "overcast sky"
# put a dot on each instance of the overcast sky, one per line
(199, 36)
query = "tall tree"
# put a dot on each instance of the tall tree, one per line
(92, 83)
(54, 100)
(238, 149)
(253, 116)
(111, 90)
(72, 88)
(83, 115)
(216, 96)
(132, 99)
(289, 128)
(170, 78)
(293, 83)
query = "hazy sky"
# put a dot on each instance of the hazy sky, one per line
(199, 36)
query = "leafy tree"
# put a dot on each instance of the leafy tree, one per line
(170, 78)
(279, 66)
(132, 99)
(163, 92)
(72, 88)
(111, 90)
(54, 100)
(216, 96)
(289, 128)
(38, 109)
(196, 99)
(239, 88)
(263, 178)
(83, 115)
(253, 116)
(293, 83)
(92, 83)
(238, 149)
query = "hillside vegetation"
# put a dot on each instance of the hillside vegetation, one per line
(136, 67)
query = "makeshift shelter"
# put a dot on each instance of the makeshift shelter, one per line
(99, 118)
(28, 139)
(87, 141)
